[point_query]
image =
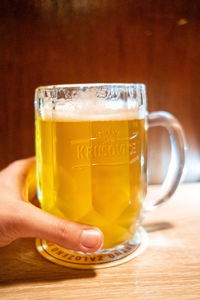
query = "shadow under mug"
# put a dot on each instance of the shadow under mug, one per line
(91, 156)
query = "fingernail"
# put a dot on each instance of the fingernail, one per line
(90, 238)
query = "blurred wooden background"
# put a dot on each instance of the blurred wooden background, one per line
(76, 41)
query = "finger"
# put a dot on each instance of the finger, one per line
(37, 223)
(14, 176)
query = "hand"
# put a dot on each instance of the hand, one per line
(21, 219)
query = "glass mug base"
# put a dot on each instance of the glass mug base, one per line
(101, 259)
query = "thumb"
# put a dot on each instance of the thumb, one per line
(37, 223)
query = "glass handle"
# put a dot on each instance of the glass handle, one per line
(178, 147)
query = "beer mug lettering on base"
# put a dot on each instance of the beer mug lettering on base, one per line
(91, 149)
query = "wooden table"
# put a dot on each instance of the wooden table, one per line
(168, 269)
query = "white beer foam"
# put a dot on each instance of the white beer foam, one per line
(92, 110)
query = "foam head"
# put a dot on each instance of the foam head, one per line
(91, 109)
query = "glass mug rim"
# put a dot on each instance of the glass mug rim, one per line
(114, 98)
(76, 85)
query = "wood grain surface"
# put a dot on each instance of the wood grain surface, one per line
(56, 41)
(168, 269)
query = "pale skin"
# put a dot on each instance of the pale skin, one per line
(19, 218)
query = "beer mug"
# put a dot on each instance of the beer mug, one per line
(91, 153)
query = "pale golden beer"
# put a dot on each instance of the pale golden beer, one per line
(93, 171)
